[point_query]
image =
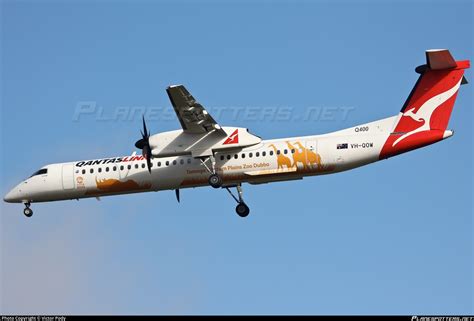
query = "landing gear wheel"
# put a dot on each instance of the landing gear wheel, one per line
(28, 212)
(215, 181)
(242, 209)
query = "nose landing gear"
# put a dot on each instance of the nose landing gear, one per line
(28, 211)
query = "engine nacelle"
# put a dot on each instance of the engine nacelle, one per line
(177, 142)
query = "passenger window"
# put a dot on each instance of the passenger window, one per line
(143, 165)
(115, 168)
(292, 150)
(129, 166)
(257, 154)
(236, 156)
(83, 171)
(99, 169)
(189, 160)
(228, 156)
(92, 171)
(167, 163)
(250, 155)
(181, 161)
(107, 169)
(136, 166)
(159, 164)
(285, 151)
(222, 157)
(174, 162)
(263, 154)
(278, 152)
(243, 155)
(271, 153)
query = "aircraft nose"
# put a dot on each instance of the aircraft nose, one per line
(12, 196)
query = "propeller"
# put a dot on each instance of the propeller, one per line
(144, 144)
(176, 191)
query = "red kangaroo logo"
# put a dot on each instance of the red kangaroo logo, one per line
(233, 138)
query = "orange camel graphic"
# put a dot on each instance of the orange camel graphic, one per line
(115, 186)
(311, 157)
(281, 159)
(298, 155)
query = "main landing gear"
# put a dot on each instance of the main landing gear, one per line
(28, 211)
(241, 209)
(214, 179)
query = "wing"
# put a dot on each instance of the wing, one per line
(191, 114)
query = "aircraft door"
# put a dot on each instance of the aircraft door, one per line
(313, 159)
(68, 176)
(121, 173)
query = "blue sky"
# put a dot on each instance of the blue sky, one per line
(392, 237)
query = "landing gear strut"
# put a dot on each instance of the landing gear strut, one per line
(28, 211)
(241, 209)
(214, 179)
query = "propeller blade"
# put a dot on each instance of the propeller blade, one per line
(144, 144)
(145, 131)
(140, 143)
(148, 164)
(177, 194)
(146, 152)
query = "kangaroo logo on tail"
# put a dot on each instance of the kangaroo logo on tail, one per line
(423, 114)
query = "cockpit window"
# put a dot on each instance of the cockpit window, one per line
(40, 172)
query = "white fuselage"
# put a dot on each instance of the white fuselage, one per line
(268, 161)
(204, 153)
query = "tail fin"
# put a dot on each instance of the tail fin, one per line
(425, 115)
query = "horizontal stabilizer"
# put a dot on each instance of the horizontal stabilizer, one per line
(438, 59)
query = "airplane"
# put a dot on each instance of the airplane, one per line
(203, 153)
